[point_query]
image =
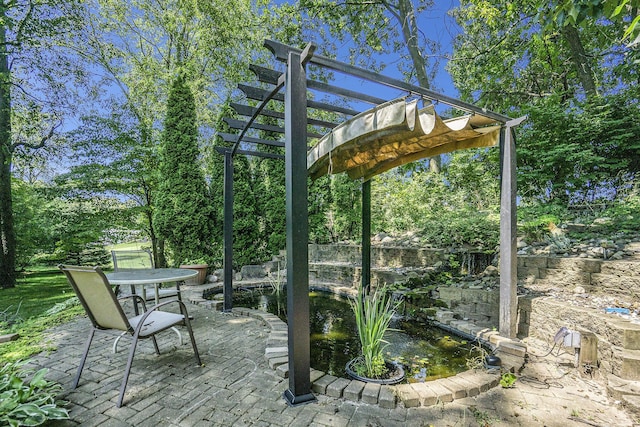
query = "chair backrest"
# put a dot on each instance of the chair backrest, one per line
(97, 297)
(131, 260)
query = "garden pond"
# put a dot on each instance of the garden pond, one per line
(426, 351)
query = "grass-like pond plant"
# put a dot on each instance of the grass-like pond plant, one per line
(373, 314)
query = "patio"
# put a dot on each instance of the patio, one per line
(236, 386)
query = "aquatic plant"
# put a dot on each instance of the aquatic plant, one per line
(373, 314)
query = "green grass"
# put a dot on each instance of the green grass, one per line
(37, 291)
(25, 308)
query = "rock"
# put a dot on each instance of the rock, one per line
(617, 255)
(212, 278)
(579, 290)
(491, 271)
(253, 271)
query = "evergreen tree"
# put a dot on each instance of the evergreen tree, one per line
(183, 213)
(245, 215)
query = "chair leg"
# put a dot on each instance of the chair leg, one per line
(84, 358)
(135, 302)
(123, 387)
(187, 323)
(155, 344)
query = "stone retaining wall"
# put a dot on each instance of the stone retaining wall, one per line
(599, 277)
(381, 256)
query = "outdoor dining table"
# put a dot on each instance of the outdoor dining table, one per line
(150, 276)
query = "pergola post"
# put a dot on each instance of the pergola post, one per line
(366, 236)
(299, 390)
(228, 232)
(508, 326)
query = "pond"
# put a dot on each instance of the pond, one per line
(427, 352)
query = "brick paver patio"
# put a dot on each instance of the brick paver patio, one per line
(236, 386)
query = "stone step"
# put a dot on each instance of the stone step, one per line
(621, 268)
(631, 404)
(618, 387)
(626, 391)
(595, 283)
(630, 369)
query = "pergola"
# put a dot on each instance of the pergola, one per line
(362, 144)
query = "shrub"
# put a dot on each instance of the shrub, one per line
(28, 402)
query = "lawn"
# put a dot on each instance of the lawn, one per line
(30, 308)
(37, 291)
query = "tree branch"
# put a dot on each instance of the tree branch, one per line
(42, 142)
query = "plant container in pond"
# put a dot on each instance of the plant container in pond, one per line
(395, 373)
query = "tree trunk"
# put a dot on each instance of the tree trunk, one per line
(406, 15)
(7, 230)
(580, 60)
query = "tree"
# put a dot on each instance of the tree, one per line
(182, 213)
(111, 160)
(505, 57)
(29, 32)
(140, 44)
(572, 76)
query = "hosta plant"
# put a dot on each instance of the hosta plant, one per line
(27, 398)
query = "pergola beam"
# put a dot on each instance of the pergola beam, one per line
(246, 110)
(232, 137)
(259, 94)
(224, 150)
(281, 51)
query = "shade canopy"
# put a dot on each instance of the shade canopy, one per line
(393, 134)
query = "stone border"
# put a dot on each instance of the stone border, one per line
(466, 384)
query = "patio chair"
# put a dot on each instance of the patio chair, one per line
(126, 260)
(104, 311)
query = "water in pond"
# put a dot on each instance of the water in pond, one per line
(427, 352)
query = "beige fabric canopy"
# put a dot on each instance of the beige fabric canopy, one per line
(395, 133)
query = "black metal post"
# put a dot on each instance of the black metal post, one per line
(299, 391)
(366, 236)
(228, 232)
(508, 239)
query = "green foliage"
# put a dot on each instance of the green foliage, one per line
(270, 200)
(319, 198)
(373, 314)
(507, 380)
(182, 214)
(572, 12)
(503, 67)
(32, 230)
(580, 154)
(245, 215)
(458, 206)
(28, 402)
(344, 218)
